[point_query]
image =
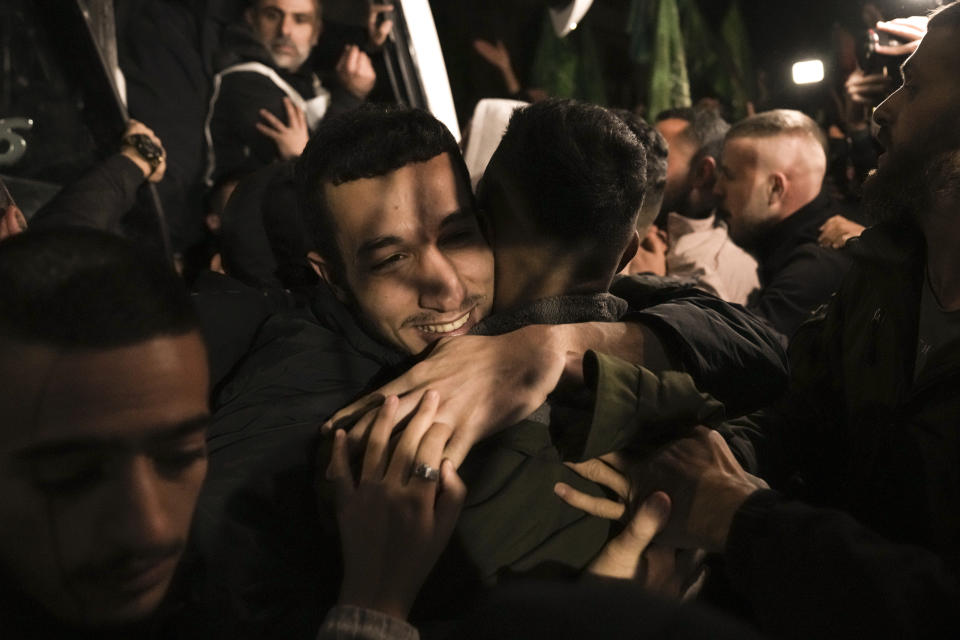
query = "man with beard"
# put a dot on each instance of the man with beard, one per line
(770, 189)
(102, 448)
(266, 96)
(698, 245)
(867, 437)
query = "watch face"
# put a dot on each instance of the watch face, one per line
(147, 148)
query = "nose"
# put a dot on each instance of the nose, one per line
(141, 515)
(286, 24)
(440, 286)
(883, 114)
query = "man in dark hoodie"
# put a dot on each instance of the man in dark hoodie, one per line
(266, 97)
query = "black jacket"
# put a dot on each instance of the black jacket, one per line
(796, 274)
(235, 147)
(863, 538)
(257, 523)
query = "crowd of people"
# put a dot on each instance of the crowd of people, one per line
(641, 381)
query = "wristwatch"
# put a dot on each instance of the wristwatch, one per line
(145, 148)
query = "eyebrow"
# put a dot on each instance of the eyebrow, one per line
(160, 435)
(381, 242)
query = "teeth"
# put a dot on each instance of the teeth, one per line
(445, 328)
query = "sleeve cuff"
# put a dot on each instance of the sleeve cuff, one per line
(355, 623)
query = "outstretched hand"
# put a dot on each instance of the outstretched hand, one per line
(355, 71)
(377, 33)
(632, 554)
(395, 520)
(486, 384)
(836, 231)
(290, 137)
(908, 30)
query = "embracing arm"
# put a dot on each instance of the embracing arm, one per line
(489, 383)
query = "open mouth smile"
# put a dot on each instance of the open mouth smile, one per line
(448, 327)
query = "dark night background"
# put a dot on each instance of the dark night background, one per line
(780, 32)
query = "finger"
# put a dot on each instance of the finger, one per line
(691, 592)
(897, 50)
(593, 505)
(601, 473)
(354, 411)
(267, 131)
(342, 61)
(458, 447)
(375, 456)
(272, 120)
(5, 229)
(338, 471)
(403, 456)
(353, 60)
(903, 30)
(450, 499)
(430, 450)
(649, 520)
(385, 28)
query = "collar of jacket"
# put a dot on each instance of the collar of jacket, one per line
(802, 227)
(599, 307)
(336, 316)
(239, 44)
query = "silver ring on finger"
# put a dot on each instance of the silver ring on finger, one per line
(425, 471)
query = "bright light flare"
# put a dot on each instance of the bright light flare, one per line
(808, 71)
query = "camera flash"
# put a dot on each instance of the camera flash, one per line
(808, 71)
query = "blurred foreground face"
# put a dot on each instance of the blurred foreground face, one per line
(102, 454)
(287, 28)
(415, 263)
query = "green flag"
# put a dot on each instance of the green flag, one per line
(669, 86)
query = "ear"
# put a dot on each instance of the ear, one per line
(630, 252)
(248, 15)
(322, 269)
(777, 188)
(705, 173)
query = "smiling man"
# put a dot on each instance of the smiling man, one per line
(404, 249)
(405, 269)
(102, 442)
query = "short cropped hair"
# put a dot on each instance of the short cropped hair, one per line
(779, 122)
(705, 132)
(367, 142)
(83, 288)
(579, 169)
(656, 176)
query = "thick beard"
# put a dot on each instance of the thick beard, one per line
(909, 187)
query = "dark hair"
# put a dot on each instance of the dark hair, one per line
(364, 143)
(578, 168)
(74, 288)
(706, 131)
(945, 16)
(656, 176)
